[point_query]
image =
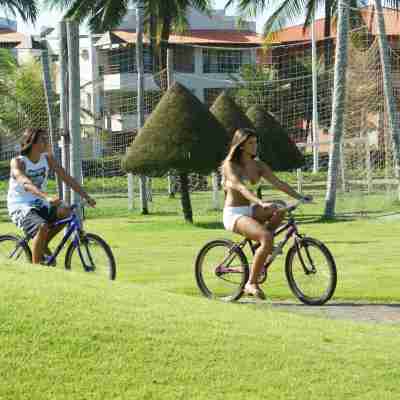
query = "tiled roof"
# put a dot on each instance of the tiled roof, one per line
(202, 37)
(7, 36)
(296, 34)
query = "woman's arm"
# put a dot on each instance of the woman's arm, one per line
(232, 181)
(267, 174)
(69, 180)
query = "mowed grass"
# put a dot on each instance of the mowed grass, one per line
(72, 336)
(151, 335)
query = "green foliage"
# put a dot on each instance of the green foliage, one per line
(8, 64)
(229, 114)
(180, 134)
(275, 146)
(255, 82)
(23, 100)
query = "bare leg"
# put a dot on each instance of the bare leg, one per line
(272, 215)
(62, 213)
(39, 243)
(254, 230)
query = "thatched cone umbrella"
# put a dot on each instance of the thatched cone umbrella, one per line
(181, 135)
(230, 115)
(275, 146)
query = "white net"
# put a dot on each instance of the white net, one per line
(278, 77)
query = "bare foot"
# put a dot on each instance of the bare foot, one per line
(252, 289)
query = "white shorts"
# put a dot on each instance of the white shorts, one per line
(232, 214)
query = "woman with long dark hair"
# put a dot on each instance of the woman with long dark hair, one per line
(244, 213)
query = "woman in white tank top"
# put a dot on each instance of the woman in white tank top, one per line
(29, 205)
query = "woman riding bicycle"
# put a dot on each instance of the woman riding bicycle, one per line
(244, 213)
(29, 206)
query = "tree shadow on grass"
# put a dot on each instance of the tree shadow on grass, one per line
(352, 242)
(349, 305)
(209, 225)
(334, 304)
(165, 214)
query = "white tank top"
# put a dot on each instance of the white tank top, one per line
(20, 199)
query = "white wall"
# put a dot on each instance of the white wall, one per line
(197, 20)
(218, 21)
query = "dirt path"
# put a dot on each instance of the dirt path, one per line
(388, 313)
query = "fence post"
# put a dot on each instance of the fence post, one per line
(74, 104)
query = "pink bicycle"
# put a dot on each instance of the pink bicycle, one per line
(222, 268)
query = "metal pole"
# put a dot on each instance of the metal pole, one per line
(64, 119)
(74, 103)
(48, 92)
(315, 129)
(140, 92)
(170, 80)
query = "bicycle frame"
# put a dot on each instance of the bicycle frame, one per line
(74, 225)
(290, 227)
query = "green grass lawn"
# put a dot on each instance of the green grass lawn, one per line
(151, 335)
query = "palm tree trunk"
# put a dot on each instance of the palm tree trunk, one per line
(185, 198)
(165, 33)
(328, 43)
(339, 96)
(387, 86)
(153, 41)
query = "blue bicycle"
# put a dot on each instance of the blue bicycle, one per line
(85, 250)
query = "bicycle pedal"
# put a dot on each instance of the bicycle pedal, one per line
(46, 262)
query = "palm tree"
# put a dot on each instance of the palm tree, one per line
(290, 11)
(388, 87)
(337, 114)
(162, 16)
(27, 9)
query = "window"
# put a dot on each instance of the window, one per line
(123, 60)
(183, 59)
(224, 61)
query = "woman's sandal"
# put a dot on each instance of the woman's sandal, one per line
(254, 291)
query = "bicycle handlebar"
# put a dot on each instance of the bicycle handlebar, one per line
(82, 203)
(292, 207)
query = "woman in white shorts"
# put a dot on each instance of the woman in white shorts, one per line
(244, 213)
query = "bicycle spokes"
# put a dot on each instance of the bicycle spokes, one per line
(12, 251)
(228, 267)
(220, 271)
(311, 273)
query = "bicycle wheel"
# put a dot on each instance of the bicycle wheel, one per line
(13, 248)
(311, 272)
(93, 255)
(221, 270)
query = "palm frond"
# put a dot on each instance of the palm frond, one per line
(27, 9)
(105, 15)
(288, 12)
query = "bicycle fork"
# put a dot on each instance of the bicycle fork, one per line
(81, 245)
(299, 245)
